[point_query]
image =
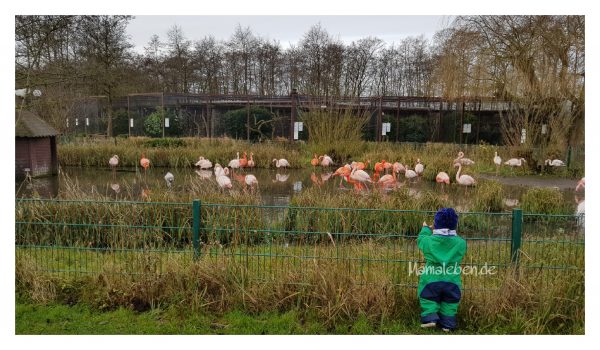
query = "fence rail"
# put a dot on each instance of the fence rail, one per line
(266, 242)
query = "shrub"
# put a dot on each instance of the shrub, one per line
(544, 201)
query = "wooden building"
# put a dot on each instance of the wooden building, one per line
(35, 146)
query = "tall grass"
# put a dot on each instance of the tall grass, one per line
(335, 132)
(545, 200)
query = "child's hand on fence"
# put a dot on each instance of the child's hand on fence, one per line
(425, 223)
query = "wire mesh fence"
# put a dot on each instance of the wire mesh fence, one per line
(264, 243)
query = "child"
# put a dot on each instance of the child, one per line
(440, 287)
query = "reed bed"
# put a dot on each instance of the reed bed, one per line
(185, 152)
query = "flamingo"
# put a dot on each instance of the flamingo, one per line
(251, 161)
(464, 180)
(219, 170)
(243, 161)
(203, 163)
(497, 159)
(251, 181)
(580, 184)
(315, 161)
(398, 168)
(419, 167)
(379, 167)
(515, 162)
(235, 163)
(327, 161)
(169, 178)
(387, 180)
(281, 163)
(223, 181)
(555, 162)
(361, 176)
(462, 160)
(409, 174)
(145, 163)
(387, 166)
(325, 177)
(343, 171)
(361, 165)
(442, 177)
(113, 161)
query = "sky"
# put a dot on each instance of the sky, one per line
(287, 30)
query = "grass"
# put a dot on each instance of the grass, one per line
(33, 318)
(185, 152)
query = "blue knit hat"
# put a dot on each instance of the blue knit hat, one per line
(445, 218)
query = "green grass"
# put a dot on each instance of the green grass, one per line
(33, 319)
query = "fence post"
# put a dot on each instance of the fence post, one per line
(196, 227)
(517, 228)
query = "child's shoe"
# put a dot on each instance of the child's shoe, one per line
(428, 325)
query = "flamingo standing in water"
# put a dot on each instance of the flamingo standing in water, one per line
(281, 163)
(442, 177)
(387, 180)
(145, 163)
(113, 161)
(398, 168)
(315, 161)
(203, 163)
(251, 181)
(419, 168)
(464, 180)
(378, 167)
(251, 161)
(243, 161)
(224, 181)
(409, 174)
(580, 185)
(235, 163)
(361, 176)
(343, 171)
(169, 178)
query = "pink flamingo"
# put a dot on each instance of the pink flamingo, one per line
(235, 163)
(419, 167)
(361, 176)
(281, 163)
(145, 163)
(442, 177)
(462, 160)
(464, 180)
(409, 174)
(251, 181)
(327, 161)
(251, 161)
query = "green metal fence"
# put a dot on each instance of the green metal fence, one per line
(265, 243)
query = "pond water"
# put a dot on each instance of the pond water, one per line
(276, 186)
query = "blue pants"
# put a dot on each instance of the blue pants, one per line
(439, 303)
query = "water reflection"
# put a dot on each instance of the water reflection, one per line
(275, 188)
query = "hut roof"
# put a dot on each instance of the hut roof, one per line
(27, 124)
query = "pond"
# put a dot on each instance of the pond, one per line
(276, 186)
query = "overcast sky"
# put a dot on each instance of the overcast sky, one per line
(287, 29)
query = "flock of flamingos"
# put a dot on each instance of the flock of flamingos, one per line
(353, 173)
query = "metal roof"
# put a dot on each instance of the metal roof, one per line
(27, 124)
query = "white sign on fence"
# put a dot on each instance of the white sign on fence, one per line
(466, 128)
(296, 126)
(166, 122)
(131, 122)
(300, 126)
(87, 121)
(76, 122)
(67, 122)
(388, 127)
(523, 135)
(544, 128)
(383, 129)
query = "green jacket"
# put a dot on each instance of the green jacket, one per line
(443, 255)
